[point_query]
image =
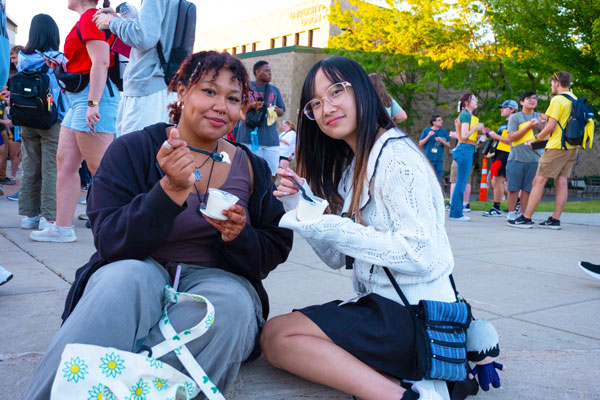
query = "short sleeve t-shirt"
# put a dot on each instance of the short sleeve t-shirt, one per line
(434, 150)
(75, 50)
(519, 150)
(560, 110)
(267, 134)
(394, 108)
(466, 116)
(502, 131)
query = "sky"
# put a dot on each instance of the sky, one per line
(210, 13)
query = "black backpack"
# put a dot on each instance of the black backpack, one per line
(183, 40)
(574, 132)
(31, 101)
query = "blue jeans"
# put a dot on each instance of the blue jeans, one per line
(463, 155)
(438, 167)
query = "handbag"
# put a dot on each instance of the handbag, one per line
(71, 81)
(89, 371)
(441, 335)
(254, 118)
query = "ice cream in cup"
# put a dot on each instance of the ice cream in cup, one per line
(307, 210)
(218, 200)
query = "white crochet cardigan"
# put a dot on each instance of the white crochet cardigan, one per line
(403, 205)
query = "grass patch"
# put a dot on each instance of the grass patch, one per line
(584, 207)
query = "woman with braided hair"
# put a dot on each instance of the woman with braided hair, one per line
(145, 208)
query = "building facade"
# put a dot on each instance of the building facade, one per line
(305, 24)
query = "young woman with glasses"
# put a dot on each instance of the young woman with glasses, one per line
(385, 210)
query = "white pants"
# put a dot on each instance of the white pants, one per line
(270, 154)
(137, 112)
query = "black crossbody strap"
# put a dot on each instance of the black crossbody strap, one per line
(395, 285)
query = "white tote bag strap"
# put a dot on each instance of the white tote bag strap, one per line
(176, 341)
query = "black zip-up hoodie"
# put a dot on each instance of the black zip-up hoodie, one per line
(132, 216)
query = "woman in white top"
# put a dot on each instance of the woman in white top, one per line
(287, 144)
(385, 209)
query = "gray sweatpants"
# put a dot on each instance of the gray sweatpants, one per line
(122, 304)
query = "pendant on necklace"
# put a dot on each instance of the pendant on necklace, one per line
(202, 207)
(197, 174)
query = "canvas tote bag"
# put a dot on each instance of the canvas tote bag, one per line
(105, 373)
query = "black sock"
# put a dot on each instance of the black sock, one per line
(496, 206)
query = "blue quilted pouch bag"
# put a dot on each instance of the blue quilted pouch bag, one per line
(441, 336)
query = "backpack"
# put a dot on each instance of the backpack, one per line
(114, 72)
(31, 101)
(183, 40)
(574, 132)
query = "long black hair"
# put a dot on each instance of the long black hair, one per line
(43, 35)
(321, 159)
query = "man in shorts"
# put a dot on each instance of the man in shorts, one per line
(556, 162)
(522, 160)
(498, 168)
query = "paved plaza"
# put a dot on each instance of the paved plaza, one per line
(546, 310)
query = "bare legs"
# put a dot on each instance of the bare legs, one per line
(294, 343)
(536, 195)
(73, 148)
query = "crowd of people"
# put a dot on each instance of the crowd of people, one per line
(155, 150)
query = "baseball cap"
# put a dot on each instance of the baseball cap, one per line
(509, 103)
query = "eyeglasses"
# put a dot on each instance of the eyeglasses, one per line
(335, 95)
(532, 98)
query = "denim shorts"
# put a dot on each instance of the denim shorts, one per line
(75, 117)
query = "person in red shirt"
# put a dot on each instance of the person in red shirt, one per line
(89, 125)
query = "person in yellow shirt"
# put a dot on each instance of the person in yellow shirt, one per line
(556, 163)
(498, 168)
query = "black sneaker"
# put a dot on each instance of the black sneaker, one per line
(550, 223)
(467, 208)
(518, 206)
(520, 222)
(591, 269)
(494, 212)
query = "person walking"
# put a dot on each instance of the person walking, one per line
(468, 131)
(88, 127)
(287, 144)
(145, 98)
(268, 138)
(523, 159)
(433, 140)
(556, 162)
(501, 153)
(37, 199)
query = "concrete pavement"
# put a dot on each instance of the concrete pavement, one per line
(526, 281)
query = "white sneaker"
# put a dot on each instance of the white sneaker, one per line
(54, 233)
(5, 275)
(463, 218)
(512, 215)
(44, 223)
(425, 393)
(30, 222)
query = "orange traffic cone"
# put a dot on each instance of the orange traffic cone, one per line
(483, 187)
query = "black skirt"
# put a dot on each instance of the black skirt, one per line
(377, 331)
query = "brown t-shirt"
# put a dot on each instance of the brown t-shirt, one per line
(192, 238)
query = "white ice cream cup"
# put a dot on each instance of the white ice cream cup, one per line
(307, 210)
(219, 200)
